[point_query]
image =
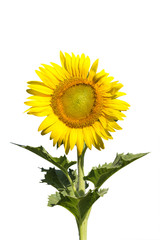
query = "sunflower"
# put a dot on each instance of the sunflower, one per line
(80, 105)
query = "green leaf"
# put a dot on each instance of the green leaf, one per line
(79, 207)
(57, 178)
(54, 199)
(100, 174)
(61, 162)
(88, 200)
(103, 191)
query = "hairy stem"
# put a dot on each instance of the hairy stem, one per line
(80, 165)
(82, 223)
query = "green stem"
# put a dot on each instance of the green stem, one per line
(82, 223)
(80, 164)
(82, 227)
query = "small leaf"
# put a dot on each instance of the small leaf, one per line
(55, 178)
(100, 174)
(54, 199)
(58, 179)
(103, 191)
(79, 207)
(61, 162)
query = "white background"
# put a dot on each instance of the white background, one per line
(124, 35)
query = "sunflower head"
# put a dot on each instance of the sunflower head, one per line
(80, 105)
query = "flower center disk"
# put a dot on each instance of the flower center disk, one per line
(78, 101)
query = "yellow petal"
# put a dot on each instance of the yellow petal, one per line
(81, 62)
(98, 141)
(40, 111)
(102, 132)
(73, 64)
(37, 83)
(115, 125)
(36, 93)
(86, 66)
(94, 66)
(114, 113)
(66, 141)
(63, 131)
(68, 63)
(105, 89)
(93, 69)
(116, 87)
(49, 82)
(55, 133)
(119, 94)
(50, 73)
(48, 129)
(73, 138)
(47, 122)
(88, 138)
(116, 104)
(63, 60)
(100, 75)
(60, 71)
(40, 98)
(95, 137)
(41, 89)
(105, 80)
(36, 104)
(106, 124)
(80, 141)
(58, 133)
(77, 66)
(103, 121)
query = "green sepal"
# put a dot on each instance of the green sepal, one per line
(98, 175)
(61, 162)
(57, 178)
(79, 207)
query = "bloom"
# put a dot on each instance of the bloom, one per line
(80, 105)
